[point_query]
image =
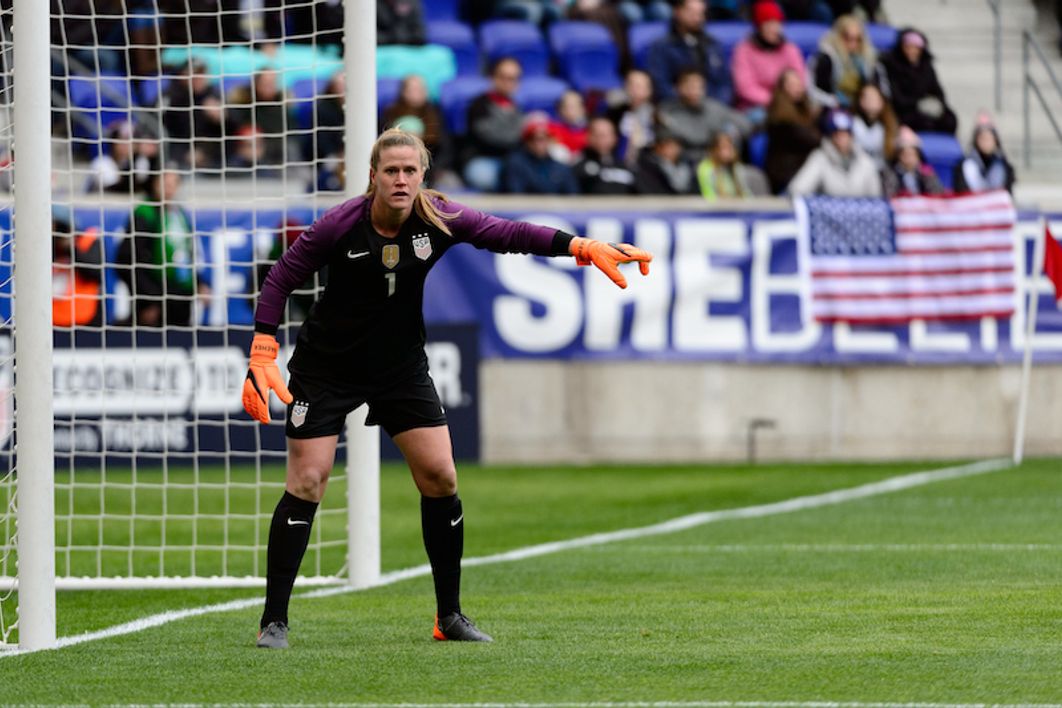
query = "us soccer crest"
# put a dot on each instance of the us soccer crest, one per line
(422, 247)
(390, 255)
(298, 413)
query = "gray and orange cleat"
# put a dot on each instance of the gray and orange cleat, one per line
(455, 627)
(273, 636)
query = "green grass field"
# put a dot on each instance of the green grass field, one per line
(946, 593)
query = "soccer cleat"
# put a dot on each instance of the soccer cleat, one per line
(455, 627)
(273, 636)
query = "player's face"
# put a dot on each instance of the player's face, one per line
(398, 177)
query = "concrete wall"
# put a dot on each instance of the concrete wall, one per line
(534, 412)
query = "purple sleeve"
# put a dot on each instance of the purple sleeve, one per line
(307, 255)
(496, 234)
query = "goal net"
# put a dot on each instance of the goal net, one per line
(189, 148)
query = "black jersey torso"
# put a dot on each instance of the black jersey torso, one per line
(369, 323)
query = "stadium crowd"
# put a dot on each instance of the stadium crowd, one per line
(691, 116)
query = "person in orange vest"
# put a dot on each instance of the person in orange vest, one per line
(77, 276)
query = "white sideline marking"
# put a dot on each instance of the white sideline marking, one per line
(681, 523)
(844, 547)
(650, 704)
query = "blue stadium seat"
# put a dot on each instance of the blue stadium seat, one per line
(97, 103)
(233, 82)
(461, 39)
(586, 55)
(883, 37)
(805, 35)
(386, 93)
(729, 34)
(517, 39)
(97, 92)
(150, 89)
(758, 149)
(540, 93)
(303, 94)
(942, 152)
(640, 37)
(454, 97)
(436, 10)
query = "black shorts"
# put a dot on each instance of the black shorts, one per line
(321, 405)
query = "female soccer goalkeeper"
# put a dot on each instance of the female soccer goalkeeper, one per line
(363, 342)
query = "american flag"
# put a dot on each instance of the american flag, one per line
(935, 258)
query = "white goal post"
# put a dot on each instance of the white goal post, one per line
(33, 343)
(142, 470)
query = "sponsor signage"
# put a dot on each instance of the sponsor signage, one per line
(177, 396)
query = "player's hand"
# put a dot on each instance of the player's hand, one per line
(263, 375)
(607, 256)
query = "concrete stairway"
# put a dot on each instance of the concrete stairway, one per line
(961, 37)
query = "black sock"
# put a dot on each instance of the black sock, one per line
(289, 535)
(442, 523)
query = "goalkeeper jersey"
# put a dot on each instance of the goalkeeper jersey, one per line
(368, 325)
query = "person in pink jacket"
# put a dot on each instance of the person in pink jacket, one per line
(761, 58)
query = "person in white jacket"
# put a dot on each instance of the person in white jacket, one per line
(838, 167)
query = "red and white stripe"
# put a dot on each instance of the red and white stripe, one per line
(956, 260)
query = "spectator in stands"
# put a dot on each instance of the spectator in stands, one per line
(808, 10)
(399, 22)
(661, 169)
(329, 119)
(537, 12)
(319, 22)
(262, 105)
(874, 125)
(413, 101)
(792, 130)
(693, 117)
(839, 167)
(761, 58)
(908, 173)
(77, 274)
(569, 130)
(635, 11)
(845, 61)
(600, 171)
(93, 34)
(985, 166)
(607, 14)
(123, 166)
(532, 170)
(916, 93)
(722, 175)
(157, 259)
(194, 118)
(688, 45)
(249, 157)
(495, 124)
(331, 175)
(144, 41)
(728, 10)
(188, 22)
(634, 114)
(867, 10)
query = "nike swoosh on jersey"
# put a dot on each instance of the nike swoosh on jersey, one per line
(297, 522)
(456, 521)
(353, 256)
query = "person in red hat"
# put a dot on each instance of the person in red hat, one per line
(761, 58)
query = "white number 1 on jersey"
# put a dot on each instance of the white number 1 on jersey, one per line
(391, 278)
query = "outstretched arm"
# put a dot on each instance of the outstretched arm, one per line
(505, 236)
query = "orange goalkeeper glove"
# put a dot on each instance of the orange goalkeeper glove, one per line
(263, 375)
(607, 256)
